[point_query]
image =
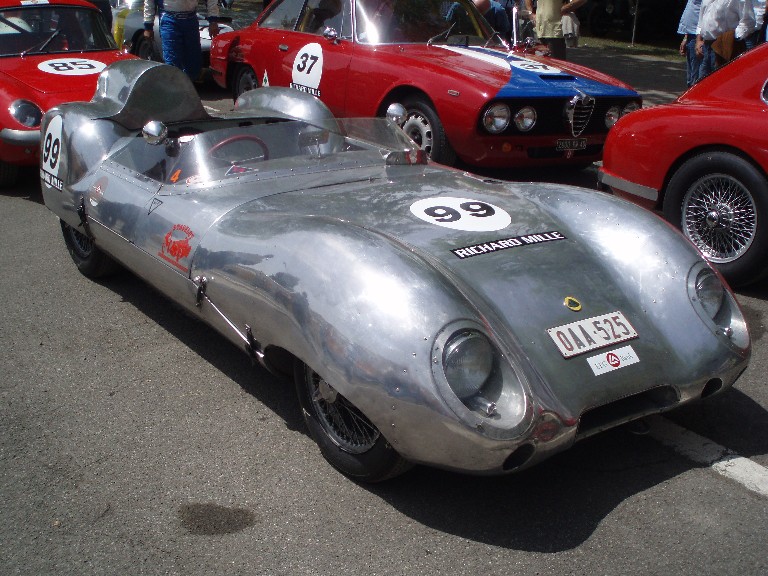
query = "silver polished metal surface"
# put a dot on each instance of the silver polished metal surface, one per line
(296, 235)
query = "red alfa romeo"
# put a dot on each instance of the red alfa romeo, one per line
(703, 161)
(467, 95)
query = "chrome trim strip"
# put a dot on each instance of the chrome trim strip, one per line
(629, 187)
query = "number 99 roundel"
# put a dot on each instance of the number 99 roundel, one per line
(50, 153)
(461, 214)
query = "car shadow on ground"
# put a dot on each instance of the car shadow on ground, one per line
(554, 506)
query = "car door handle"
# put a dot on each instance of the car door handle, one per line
(283, 47)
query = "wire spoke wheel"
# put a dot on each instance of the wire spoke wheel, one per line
(347, 438)
(720, 217)
(346, 426)
(80, 243)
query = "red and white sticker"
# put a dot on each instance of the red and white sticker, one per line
(613, 360)
(71, 66)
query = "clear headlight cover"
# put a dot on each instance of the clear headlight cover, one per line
(717, 307)
(467, 362)
(496, 118)
(26, 113)
(525, 119)
(710, 292)
(482, 387)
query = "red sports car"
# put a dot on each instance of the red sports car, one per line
(703, 161)
(466, 94)
(51, 51)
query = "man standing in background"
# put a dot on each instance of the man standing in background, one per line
(687, 27)
(548, 21)
(179, 31)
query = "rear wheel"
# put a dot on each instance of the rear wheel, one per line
(424, 127)
(245, 79)
(720, 202)
(347, 439)
(145, 49)
(90, 261)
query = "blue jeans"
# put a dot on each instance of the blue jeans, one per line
(693, 62)
(708, 63)
(180, 37)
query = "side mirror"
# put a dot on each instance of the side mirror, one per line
(331, 34)
(154, 132)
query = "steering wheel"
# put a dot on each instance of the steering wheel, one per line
(238, 154)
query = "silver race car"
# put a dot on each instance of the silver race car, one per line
(426, 315)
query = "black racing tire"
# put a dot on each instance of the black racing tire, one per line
(424, 127)
(90, 261)
(145, 49)
(345, 436)
(9, 174)
(245, 79)
(720, 202)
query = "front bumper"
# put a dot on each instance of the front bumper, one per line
(526, 151)
(20, 137)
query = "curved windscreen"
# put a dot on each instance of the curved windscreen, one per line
(41, 29)
(426, 21)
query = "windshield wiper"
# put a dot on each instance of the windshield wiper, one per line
(500, 39)
(40, 46)
(444, 33)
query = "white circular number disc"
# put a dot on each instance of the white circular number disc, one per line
(536, 67)
(72, 66)
(461, 214)
(308, 66)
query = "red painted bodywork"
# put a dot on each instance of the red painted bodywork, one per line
(725, 111)
(359, 80)
(20, 78)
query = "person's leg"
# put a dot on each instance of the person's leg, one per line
(192, 57)
(693, 70)
(708, 61)
(171, 41)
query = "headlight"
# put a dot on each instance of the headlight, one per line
(631, 107)
(26, 113)
(496, 118)
(717, 307)
(710, 292)
(467, 362)
(482, 387)
(612, 116)
(525, 119)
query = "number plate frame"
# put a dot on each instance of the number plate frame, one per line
(571, 144)
(576, 338)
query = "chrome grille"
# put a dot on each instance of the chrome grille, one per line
(578, 111)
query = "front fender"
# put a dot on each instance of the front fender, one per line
(360, 309)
